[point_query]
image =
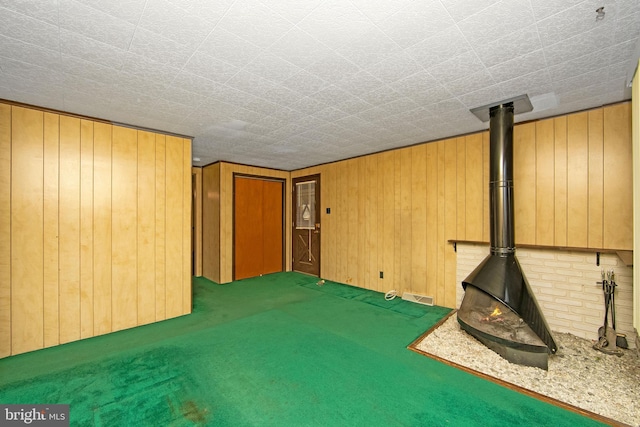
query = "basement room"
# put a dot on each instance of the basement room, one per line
(319, 213)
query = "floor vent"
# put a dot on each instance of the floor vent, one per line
(420, 299)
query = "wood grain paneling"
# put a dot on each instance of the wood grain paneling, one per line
(524, 180)
(82, 206)
(432, 215)
(174, 226)
(69, 240)
(146, 228)
(447, 294)
(473, 188)
(545, 182)
(124, 242)
(197, 220)
(577, 179)
(461, 182)
(406, 225)
(211, 222)
(418, 217)
(102, 228)
(27, 249)
(596, 209)
(5, 230)
(86, 229)
(50, 224)
(160, 227)
(618, 178)
(560, 181)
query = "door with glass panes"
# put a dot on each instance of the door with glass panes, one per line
(306, 225)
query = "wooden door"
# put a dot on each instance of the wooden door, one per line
(306, 225)
(258, 226)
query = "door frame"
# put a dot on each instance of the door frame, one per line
(315, 177)
(233, 217)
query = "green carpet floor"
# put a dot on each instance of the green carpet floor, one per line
(272, 351)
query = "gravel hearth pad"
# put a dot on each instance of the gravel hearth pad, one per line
(578, 375)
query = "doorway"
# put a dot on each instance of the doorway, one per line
(306, 225)
(258, 230)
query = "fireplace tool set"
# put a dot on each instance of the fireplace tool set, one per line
(609, 341)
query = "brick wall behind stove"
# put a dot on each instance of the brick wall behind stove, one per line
(564, 283)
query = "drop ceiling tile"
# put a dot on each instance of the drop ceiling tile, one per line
(146, 69)
(525, 64)
(579, 81)
(28, 30)
(128, 10)
(94, 24)
(160, 49)
(439, 48)
(299, 48)
(536, 83)
(507, 47)
(89, 70)
(288, 114)
(470, 83)
(332, 67)
(204, 65)
(579, 45)
(331, 95)
(336, 23)
(254, 22)
(462, 9)
(91, 50)
(444, 107)
(360, 83)
(43, 10)
(208, 10)
(228, 47)
(415, 22)
(272, 68)
(260, 105)
(250, 83)
(184, 97)
(29, 53)
(382, 95)
(30, 72)
(418, 82)
(281, 95)
(483, 96)
(627, 27)
(308, 106)
(456, 68)
(622, 51)
(304, 83)
(168, 20)
(379, 10)
(545, 8)
(581, 65)
(292, 10)
(503, 17)
(573, 21)
(395, 68)
(372, 47)
(433, 95)
(353, 105)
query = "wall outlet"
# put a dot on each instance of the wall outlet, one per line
(382, 275)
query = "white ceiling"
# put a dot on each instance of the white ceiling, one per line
(293, 83)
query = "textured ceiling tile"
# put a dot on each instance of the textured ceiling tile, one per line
(299, 48)
(462, 9)
(184, 97)
(545, 8)
(28, 53)
(535, 83)
(272, 68)
(332, 67)
(255, 22)
(336, 23)
(95, 24)
(304, 83)
(516, 67)
(581, 65)
(416, 22)
(282, 96)
(293, 10)
(627, 27)
(580, 45)
(250, 83)
(433, 95)
(129, 10)
(43, 10)
(28, 30)
(359, 83)
(456, 68)
(395, 68)
(579, 81)
(470, 83)
(379, 10)
(507, 47)
(353, 105)
(372, 47)
(484, 96)
(159, 48)
(208, 10)
(331, 95)
(419, 82)
(147, 69)
(75, 44)
(174, 23)
(503, 17)
(439, 48)
(382, 95)
(89, 70)
(230, 48)
(573, 21)
(210, 68)
(196, 84)
(308, 106)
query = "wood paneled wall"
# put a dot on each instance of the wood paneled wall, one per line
(396, 211)
(217, 187)
(96, 228)
(197, 220)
